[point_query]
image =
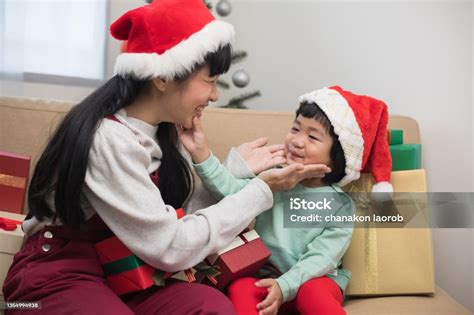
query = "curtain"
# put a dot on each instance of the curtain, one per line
(54, 37)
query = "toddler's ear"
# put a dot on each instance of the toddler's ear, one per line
(160, 84)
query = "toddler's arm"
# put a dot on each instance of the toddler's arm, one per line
(218, 179)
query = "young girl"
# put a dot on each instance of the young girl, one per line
(114, 167)
(333, 127)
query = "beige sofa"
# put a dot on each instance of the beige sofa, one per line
(25, 125)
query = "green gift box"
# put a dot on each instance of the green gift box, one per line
(405, 157)
(395, 136)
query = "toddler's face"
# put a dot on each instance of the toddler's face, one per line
(308, 143)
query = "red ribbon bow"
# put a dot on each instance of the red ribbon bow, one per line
(8, 224)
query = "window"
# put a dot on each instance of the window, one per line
(55, 38)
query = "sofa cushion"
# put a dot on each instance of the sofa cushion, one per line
(27, 123)
(439, 303)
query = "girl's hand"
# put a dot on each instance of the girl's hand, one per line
(260, 157)
(281, 179)
(271, 304)
(194, 140)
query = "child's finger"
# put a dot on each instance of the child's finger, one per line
(267, 301)
(272, 309)
(263, 283)
(278, 160)
(197, 123)
(278, 153)
(276, 147)
(179, 129)
(260, 142)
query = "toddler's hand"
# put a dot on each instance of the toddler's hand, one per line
(271, 304)
(194, 140)
(260, 157)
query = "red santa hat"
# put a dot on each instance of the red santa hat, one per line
(167, 38)
(360, 122)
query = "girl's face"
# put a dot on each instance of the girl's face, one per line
(308, 143)
(188, 99)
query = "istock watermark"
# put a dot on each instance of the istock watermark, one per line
(361, 210)
(302, 204)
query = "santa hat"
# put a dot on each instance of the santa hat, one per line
(167, 38)
(360, 122)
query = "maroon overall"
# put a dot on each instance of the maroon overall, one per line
(59, 267)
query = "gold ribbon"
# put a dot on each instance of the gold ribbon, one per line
(371, 274)
(371, 262)
(12, 181)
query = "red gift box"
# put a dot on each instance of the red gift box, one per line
(126, 272)
(241, 258)
(11, 239)
(14, 169)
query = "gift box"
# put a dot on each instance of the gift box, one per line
(406, 206)
(14, 169)
(391, 261)
(127, 273)
(405, 156)
(395, 136)
(243, 257)
(11, 239)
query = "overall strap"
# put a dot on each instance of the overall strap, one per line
(112, 117)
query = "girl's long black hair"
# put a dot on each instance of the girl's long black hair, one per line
(62, 166)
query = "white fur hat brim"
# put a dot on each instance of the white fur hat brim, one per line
(178, 60)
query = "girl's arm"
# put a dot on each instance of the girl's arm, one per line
(118, 187)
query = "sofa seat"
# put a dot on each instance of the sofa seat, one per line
(439, 303)
(26, 124)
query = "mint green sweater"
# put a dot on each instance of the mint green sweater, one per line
(300, 254)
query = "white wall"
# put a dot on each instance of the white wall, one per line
(416, 56)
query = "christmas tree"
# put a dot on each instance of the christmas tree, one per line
(240, 78)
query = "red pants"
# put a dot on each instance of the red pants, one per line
(316, 296)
